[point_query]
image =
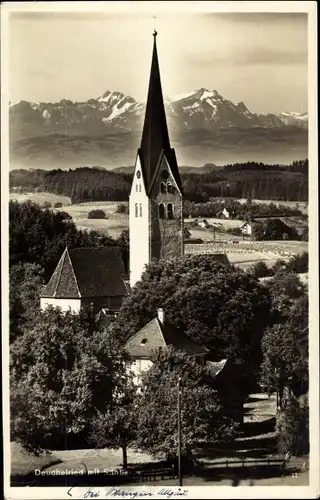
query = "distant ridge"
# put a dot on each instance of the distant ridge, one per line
(204, 127)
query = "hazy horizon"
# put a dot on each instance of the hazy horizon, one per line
(260, 59)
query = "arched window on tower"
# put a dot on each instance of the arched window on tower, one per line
(136, 209)
(161, 211)
(140, 209)
(169, 187)
(170, 211)
(163, 188)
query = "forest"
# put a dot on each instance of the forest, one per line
(239, 180)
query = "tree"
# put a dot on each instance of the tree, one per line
(116, 428)
(26, 282)
(40, 236)
(122, 208)
(59, 371)
(203, 418)
(260, 270)
(220, 307)
(285, 346)
(293, 429)
(299, 263)
(285, 289)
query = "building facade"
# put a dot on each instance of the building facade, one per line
(155, 201)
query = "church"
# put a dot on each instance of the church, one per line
(96, 276)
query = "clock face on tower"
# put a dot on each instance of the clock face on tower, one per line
(138, 174)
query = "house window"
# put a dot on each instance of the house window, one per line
(143, 342)
(140, 209)
(163, 188)
(161, 211)
(136, 209)
(170, 211)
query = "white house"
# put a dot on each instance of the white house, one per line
(225, 213)
(155, 335)
(246, 228)
(204, 224)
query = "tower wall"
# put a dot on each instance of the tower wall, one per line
(138, 235)
(166, 234)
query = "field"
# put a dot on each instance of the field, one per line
(40, 198)
(241, 252)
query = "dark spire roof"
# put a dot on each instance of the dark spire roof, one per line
(88, 272)
(155, 136)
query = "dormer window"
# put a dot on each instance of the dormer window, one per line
(143, 342)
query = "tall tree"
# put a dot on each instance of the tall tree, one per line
(203, 418)
(26, 282)
(59, 370)
(220, 307)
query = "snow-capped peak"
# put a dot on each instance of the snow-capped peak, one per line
(296, 115)
(179, 97)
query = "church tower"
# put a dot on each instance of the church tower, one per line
(155, 201)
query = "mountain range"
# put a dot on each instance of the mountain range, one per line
(204, 127)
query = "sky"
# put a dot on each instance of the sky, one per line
(257, 58)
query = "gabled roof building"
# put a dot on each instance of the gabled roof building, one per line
(87, 276)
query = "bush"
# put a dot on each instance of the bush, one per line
(122, 208)
(46, 204)
(97, 214)
(293, 429)
(299, 263)
(57, 205)
(260, 270)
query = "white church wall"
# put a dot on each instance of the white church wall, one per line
(64, 304)
(138, 227)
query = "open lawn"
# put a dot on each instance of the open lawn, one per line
(24, 462)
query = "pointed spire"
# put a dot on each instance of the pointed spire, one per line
(155, 136)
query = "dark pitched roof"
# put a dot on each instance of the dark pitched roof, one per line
(88, 272)
(215, 367)
(155, 335)
(155, 137)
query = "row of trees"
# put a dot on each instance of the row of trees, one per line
(236, 181)
(237, 210)
(39, 236)
(297, 264)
